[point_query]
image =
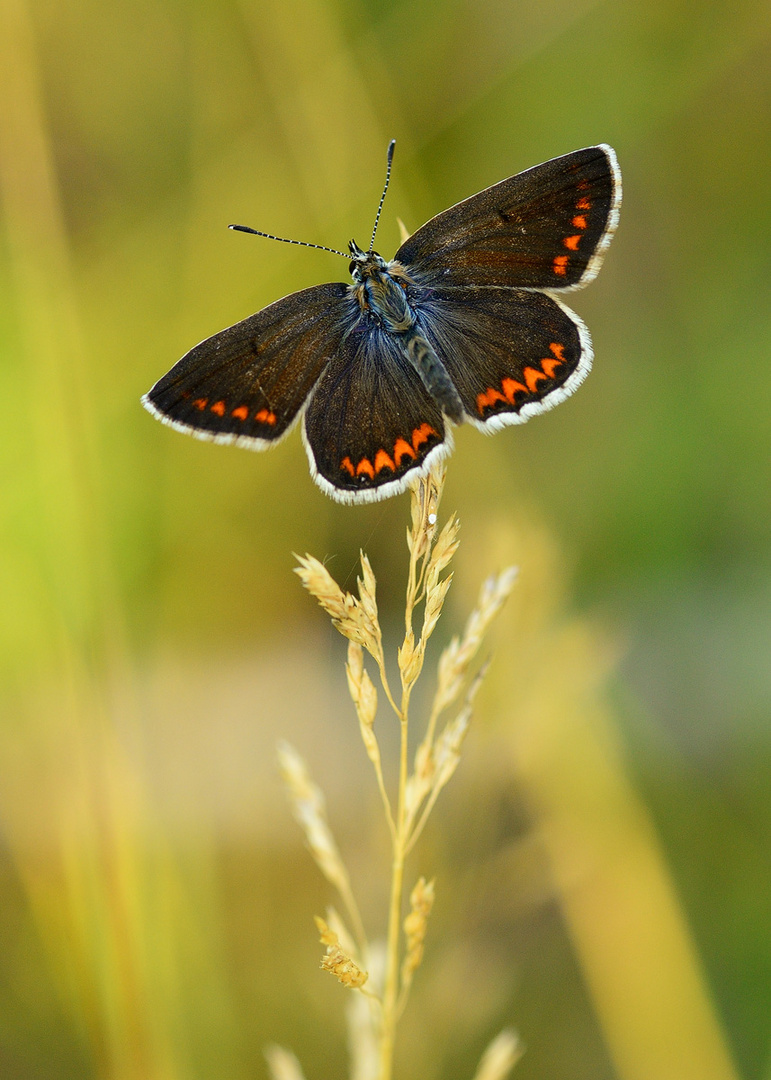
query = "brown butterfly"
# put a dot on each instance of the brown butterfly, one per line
(462, 325)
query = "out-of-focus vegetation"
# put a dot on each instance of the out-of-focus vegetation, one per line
(602, 864)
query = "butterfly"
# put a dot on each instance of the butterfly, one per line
(463, 324)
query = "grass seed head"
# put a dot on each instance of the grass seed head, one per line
(436, 594)
(361, 687)
(355, 619)
(415, 926)
(342, 966)
(410, 659)
(309, 809)
(448, 747)
(456, 658)
(366, 585)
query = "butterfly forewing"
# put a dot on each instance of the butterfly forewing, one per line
(248, 383)
(370, 423)
(545, 228)
(510, 352)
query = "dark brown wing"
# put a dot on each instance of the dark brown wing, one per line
(545, 228)
(248, 383)
(371, 424)
(510, 353)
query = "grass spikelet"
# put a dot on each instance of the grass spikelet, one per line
(500, 1057)
(355, 619)
(282, 1064)
(410, 657)
(448, 747)
(404, 233)
(443, 551)
(335, 923)
(343, 967)
(363, 693)
(456, 658)
(366, 587)
(415, 926)
(309, 807)
(426, 494)
(436, 593)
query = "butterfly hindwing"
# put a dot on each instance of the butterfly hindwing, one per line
(545, 228)
(248, 383)
(510, 353)
(370, 424)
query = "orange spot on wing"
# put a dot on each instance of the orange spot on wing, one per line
(421, 435)
(549, 364)
(558, 350)
(383, 461)
(561, 265)
(365, 466)
(532, 378)
(402, 447)
(512, 387)
(583, 204)
(489, 398)
(241, 412)
(265, 416)
(347, 464)
(582, 185)
(579, 221)
(572, 242)
(219, 408)
(201, 403)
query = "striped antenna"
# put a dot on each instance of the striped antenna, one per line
(302, 243)
(389, 159)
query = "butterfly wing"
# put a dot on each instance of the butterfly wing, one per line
(371, 425)
(546, 228)
(511, 353)
(248, 383)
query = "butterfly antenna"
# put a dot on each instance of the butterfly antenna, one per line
(389, 159)
(283, 239)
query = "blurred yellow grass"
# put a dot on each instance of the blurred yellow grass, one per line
(131, 917)
(619, 902)
(111, 908)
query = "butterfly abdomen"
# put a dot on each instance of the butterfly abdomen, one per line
(433, 374)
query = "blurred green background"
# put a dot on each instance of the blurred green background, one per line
(603, 856)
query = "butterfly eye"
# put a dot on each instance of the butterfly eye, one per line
(352, 268)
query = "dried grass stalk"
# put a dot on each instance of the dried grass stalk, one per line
(436, 760)
(282, 1064)
(500, 1057)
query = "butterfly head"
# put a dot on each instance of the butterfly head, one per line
(364, 264)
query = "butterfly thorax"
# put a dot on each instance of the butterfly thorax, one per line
(380, 289)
